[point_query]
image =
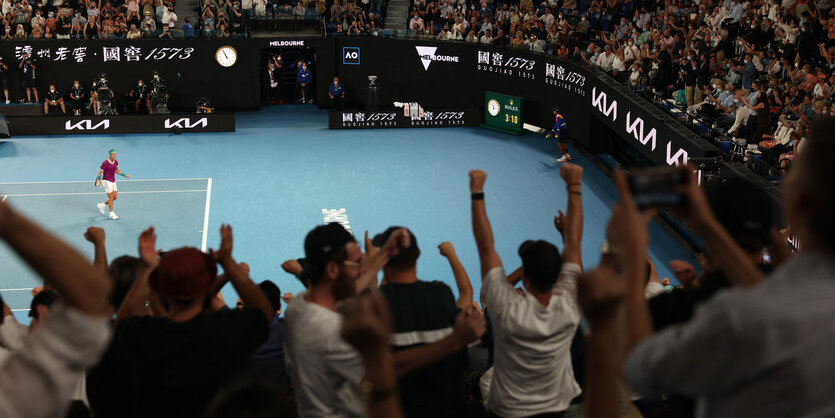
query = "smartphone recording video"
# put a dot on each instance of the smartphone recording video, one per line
(656, 187)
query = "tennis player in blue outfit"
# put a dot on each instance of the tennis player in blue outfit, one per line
(559, 127)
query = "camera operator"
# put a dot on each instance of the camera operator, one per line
(53, 101)
(142, 94)
(27, 68)
(4, 79)
(104, 96)
(303, 79)
(76, 96)
(336, 93)
(159, 95)
(204, 105)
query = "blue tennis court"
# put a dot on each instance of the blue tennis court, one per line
(282, 173)
(179, 208)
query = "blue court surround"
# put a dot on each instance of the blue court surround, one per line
(272, 179)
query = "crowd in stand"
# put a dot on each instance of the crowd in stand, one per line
(89, 20)
(134, 19)
(151, 336)
(354, 18)
(760, 71)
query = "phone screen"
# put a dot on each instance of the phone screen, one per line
(656, 187)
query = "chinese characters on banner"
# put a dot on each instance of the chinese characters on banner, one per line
(107, 54)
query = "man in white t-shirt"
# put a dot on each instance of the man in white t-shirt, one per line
(532, 371)
(326, 370)
(605, 60)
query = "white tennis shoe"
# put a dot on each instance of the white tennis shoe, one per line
(101, 208)
(113, 215)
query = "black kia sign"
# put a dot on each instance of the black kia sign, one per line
(122, 124)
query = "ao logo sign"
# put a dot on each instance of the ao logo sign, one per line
(86, 125)
(186, 123)
(351, 55)
(635, 127)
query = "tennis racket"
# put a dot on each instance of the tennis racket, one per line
(98, 182)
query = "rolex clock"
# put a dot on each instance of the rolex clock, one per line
(226, 56)
(503, 112)
(493, 107)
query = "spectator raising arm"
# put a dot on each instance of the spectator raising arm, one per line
(375, 262)
(720, 246)
(481, 225)
(573, 236)
(140, 292)
(248, 291)
(96, 236)
(81, 286)
(600, 294)
(462, 280)
(628, 233)
(39, 381)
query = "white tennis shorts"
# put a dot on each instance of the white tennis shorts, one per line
(109, 186)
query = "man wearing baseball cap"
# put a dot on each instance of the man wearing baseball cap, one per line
(179, 361)
(325, 369)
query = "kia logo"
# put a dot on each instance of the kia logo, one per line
(86, 125)
(186, 123)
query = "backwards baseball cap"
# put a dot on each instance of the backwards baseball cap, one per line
(744, 210)
(407, 256)
(320, 243)
(184, 274)
(541, 262)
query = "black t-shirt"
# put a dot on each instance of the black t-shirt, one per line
(422, 311)
(59, 27)
(77, 92)
(665, 61)
(53, 95)
(141, 92)
(109, 386)
(27, 69)
(691, 73)
(177, 367)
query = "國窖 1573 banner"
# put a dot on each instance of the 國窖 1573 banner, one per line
(410, 116)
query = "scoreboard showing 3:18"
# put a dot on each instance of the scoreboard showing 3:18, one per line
(503, 113)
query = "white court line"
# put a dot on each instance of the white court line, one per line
(97, 193)
(87, 181)
(20, 310)
(16, 290)
(206, 215)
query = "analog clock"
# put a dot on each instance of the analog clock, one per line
(226, 56)
(493, 107)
